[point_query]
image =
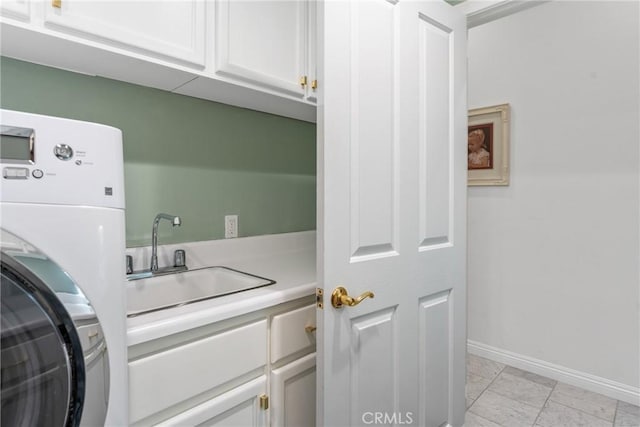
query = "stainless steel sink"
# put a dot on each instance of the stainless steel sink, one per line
(186, 287)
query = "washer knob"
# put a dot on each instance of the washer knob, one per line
(63, 151)
(37, 173)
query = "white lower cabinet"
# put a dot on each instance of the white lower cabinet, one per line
(293, 367)
(293, 393)
(257, 369)
(238, 407)
(180, 376)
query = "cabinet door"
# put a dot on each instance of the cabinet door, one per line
(238, 407)
(16, 9)
(262, 42)
(311, 70)
(293, 393)
(168, 29)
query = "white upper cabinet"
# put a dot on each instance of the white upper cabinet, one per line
(312, 71)
(16, 9)
(264, 43)
(256, 54)
(173, 30)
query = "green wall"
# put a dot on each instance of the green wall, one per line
(198, 159)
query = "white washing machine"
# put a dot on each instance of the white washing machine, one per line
(62, 239)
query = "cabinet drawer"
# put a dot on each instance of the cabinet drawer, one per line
(288, 334)
(169, 377)
(238, 407)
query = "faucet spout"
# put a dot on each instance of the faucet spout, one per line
(175, 220)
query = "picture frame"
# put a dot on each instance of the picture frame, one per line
(488, 146)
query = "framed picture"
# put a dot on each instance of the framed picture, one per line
(488, 145)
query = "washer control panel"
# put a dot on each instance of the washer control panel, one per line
(15, 173)
(63, 151)
(18, 145)
(55, 160)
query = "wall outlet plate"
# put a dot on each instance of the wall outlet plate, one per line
(230, 226)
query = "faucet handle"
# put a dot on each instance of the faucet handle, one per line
(179, 258)
(129, 264)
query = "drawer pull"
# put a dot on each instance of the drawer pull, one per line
(309, 329)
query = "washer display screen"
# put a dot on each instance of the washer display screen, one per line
(17, 144)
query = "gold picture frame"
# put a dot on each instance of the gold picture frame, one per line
(488, 145)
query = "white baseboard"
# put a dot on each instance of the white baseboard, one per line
(583, 380)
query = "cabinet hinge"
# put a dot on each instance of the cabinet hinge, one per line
(264, 402)
(303, 81)
(319, 299)
(314, 84)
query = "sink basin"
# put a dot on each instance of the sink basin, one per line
(173, 290)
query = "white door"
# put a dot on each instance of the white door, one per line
(392, 212)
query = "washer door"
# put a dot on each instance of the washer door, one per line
(53, 355)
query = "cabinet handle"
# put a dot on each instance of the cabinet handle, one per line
(264, 401)
(56, 3)
(314, 84)
(303, 81)
(309, 329)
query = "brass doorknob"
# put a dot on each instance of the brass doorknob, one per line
(341, 297)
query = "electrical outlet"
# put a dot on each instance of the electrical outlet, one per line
(230, 226)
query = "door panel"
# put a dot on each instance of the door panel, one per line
(374, 363)
(436, 142)
(391, 193)
(434, 331)
(373, 139)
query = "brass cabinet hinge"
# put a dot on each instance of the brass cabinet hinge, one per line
(314, 84)
(303, 81)
(319, 299)
(264, 402)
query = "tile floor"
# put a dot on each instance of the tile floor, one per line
(500, 395)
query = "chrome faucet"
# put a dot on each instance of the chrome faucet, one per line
(175, 220)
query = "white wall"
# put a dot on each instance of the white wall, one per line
(554, 257)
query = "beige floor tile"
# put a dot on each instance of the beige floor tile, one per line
(627, 415)
(504, 411)
(628, 408)
(592, 403)
(557, 415)
(475, 386)
(482, 367)
(473, 420)
(521, 389)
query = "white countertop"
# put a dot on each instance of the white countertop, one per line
(289, 259)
